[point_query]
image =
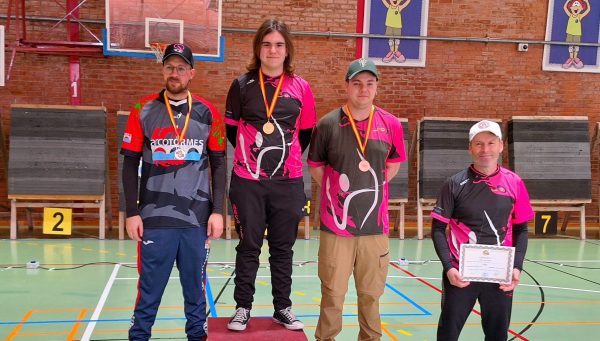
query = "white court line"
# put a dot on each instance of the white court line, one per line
(563, 261)
(90, 327)
(559, 288)
(267, 276)
(393, 276)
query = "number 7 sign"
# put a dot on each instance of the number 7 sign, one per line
(546, 223)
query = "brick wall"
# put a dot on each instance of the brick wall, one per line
(461, 79)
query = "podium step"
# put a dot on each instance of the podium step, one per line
(259, 328)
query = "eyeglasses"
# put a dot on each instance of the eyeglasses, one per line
(181, 70)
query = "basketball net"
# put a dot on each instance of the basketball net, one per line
(159, 50)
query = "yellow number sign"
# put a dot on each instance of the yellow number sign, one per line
(546, 218)
(57, 221)
(307, 207)
(546, 223)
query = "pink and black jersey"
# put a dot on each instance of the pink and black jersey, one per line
(354, 202)
(175, 187)
(482, 209)
(277, 155)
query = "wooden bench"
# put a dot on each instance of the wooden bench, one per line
(442, 151)
(4, 210)
(31, 201)
(122, 118)
(398, 187)
(57, 158)
(307, 179)
(552, 155)
(594, 149)
(564, 205)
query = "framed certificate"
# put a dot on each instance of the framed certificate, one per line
(486, 263)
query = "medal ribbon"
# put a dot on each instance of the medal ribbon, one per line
(362, 145)
(270, 108)
(187, 117)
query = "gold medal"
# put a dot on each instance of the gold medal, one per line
(364, 166)
(268, 128)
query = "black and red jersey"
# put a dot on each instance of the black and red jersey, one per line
(175, 187)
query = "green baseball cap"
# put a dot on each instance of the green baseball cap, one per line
(360, 65)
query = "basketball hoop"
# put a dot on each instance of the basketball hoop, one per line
(159, 50)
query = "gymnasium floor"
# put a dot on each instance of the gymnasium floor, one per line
(85, 290)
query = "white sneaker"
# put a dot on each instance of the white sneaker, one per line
(287, 318)
(239, 320)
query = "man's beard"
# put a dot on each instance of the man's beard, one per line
(177, 89)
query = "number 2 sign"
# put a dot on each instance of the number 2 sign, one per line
(57, 221)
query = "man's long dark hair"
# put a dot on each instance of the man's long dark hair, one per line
(269, 26)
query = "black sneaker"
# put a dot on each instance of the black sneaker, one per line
(239, 320)
(287, 318)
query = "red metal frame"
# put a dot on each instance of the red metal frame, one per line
(74, 62)
(360, 21)
(72, 47)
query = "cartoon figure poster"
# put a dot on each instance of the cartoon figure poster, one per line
(572, 22)
(395, 18)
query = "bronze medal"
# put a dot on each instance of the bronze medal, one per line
(364, 166)
(268, 128)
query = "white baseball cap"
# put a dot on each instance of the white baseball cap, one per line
(485, 125)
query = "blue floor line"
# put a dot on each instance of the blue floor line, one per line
(425, 312)
(84, 321)
(213, 311)
(127, 320)
(211, 300)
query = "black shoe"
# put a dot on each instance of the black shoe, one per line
(239, 320)
(287, 318)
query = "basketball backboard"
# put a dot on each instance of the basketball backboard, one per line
(132, 25)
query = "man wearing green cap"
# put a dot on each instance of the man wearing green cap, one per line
(354, 153)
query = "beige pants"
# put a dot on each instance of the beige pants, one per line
(367, 258)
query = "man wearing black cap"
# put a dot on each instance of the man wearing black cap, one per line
(354, 153)
(179, 136)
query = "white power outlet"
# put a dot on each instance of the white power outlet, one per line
(523, 47)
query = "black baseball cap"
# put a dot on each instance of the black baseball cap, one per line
(180, 50)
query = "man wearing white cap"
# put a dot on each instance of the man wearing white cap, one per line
(483, 204)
